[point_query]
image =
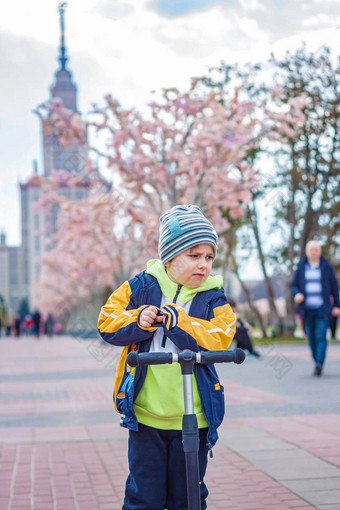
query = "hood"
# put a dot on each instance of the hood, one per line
(169, 288)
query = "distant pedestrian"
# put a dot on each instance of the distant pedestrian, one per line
(243, 331)
(315, 290)
(36, 323)
(17, 325)
(49, 325)
(28, 325)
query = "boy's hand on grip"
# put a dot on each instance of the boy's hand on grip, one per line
(149, 316)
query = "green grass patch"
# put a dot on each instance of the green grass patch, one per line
(278, 340)
(285, 339)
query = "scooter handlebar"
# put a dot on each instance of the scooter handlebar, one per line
(204, 357)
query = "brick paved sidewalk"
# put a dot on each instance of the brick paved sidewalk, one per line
(62, 447)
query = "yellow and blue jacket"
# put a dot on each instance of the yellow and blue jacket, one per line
(210, 326)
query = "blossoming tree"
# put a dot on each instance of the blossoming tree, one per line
(189, 147)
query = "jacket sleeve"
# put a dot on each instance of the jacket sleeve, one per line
(118, 321)
(294, 286)
(334, 288)
(188, 332)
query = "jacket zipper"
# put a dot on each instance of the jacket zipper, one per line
(174, 301)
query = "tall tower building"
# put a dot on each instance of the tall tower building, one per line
(38, 225)
(56, 157)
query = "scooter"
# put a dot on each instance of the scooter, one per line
(190, 433)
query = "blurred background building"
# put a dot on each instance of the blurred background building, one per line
(20, 266)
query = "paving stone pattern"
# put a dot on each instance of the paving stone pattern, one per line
(62, 447)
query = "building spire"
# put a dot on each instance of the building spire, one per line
(62, 58)
(63, 86)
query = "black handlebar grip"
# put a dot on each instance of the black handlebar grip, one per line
(236, 356)
(240, 356)
(132, 359)
(148, 358)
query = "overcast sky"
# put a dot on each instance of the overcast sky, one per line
(130, 48)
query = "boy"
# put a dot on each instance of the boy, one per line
(173, 305)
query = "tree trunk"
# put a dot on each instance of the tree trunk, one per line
(249, 298)
(308, 227)
(290, 321)
(291, 219)
(270, 292)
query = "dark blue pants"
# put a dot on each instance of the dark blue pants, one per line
(157, 478)
(316, 330)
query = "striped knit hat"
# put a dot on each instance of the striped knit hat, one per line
(181, 228)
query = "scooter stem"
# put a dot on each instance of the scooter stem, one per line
(188, 394)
